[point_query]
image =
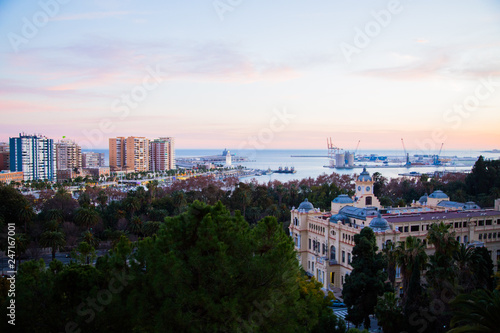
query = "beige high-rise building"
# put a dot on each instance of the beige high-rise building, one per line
(162, 154)
(130, 153)
(68, 155)
(137, 153)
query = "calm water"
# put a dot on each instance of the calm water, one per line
(314, 166)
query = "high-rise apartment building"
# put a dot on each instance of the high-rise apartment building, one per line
(34, 155)
(92, 160)
(137, 153)
(4, 156)
(162, 154)
(68, 155)
(117, 151)
(130, 153)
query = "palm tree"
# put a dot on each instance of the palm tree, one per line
(443, 240)
(53, 239)
(136, 226)
(88, 237)
(409, 252)
(25, 215)
(476, 312)
(86, 217)
(390, 257)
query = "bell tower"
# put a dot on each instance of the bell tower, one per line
(364, 191)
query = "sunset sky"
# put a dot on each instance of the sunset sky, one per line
(237, 73)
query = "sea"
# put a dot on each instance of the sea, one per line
(311, 163)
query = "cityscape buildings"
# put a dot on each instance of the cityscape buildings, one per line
(4, 156)
(162, 154)
(324, 240)
(34, 155)
(68, 155)
(93, 160)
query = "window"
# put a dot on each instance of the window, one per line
(465, 224)
(324, 249)
(309, 243)
(400, 229)
(332, 252)
(480, 223)
(489, 222)
(332, 277)
(342, 280)
(312, 267)
(398, 272)
(457, 225)
(415, 228)
(489, 236)
(466, 239)
(480, 236)
(349, 258)
(368, 201)
(308, 264)
(458, 239)
(343, 256)
(406, 228)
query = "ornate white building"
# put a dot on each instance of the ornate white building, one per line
(324, 240)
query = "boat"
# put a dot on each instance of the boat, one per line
(285, 170)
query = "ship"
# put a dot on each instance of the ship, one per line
(285, 170)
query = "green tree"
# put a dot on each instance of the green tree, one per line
(410, 255)
(87, 217)
(53, 239)
(367, 280)
(389, 313)
(476, 312)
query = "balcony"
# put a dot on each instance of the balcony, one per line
(333, 262)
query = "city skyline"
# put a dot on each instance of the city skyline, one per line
(225, 73)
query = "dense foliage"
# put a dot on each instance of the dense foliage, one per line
(206, 270)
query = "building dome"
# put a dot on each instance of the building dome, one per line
(306, 205)
(379, 223)
(438, 195)
(339, 217)
(365, 176)
(343, 199)
(423, 199)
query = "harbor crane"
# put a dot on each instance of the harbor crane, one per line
(435, 158)
(357, 146)
(408, 163)
(332, 149)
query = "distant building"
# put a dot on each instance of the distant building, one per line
(162, 154)
(228, 158)
(4, 156)
(324, 240)
(68, 155)
(8, 177)
(93, 160)
(34, 155)
(130, 153)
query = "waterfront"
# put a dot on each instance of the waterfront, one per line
(312, 166)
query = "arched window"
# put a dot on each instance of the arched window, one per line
(333, 252)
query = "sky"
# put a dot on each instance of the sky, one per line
(283, 74)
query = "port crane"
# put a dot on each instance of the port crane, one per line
(435, 158)
(407, 155)
(332, 149)
(357, 146)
